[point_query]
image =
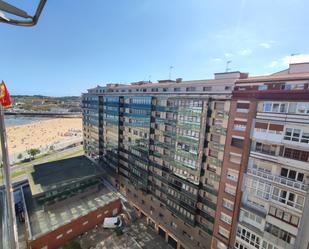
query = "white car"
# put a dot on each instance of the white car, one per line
(112, 222)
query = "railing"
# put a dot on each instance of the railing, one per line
(287, 202)
(219, 130)
(214, 161)
(216, 145)
(279, 179)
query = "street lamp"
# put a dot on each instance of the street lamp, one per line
(24, 18)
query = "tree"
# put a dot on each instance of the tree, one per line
(33, 152)
(20, 156)
(73, 244)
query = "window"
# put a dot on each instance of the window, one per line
(235, 158)
(219, 105)
(207, 88)
(177, 89)
(292, 134)
(248, 236)
(227, 88)
(288, 198)
(267, 107)
(230, 189)
(242, 106)
(237, 142)
(240, 125)
(226, 218)
(228, 204)
(302, 108)
(292, 174)
(232, 175)
(266, 148)
(225, 233)
(296, 154)
(259, 188)
(280, 233)
(292, 87)
(275, 107)
(59, 236)
(251, 216)
(268, 245)
(190, 89)
(262, 87)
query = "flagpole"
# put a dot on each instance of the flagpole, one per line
(8, 185)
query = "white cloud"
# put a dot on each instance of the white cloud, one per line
(216, 60)
(228, 55)
(285, 61)
(245, 52)
(298, 58)
(273, 64)
(265, 45)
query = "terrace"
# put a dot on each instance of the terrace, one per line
(41, 222)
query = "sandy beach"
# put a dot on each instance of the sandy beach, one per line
(42, 134)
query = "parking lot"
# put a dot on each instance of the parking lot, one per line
(135, 236)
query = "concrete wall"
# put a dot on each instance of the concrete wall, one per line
(60, 236)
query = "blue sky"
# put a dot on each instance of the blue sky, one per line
(77, 45)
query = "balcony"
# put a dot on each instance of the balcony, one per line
(218, 130)
(214, 161)
(278, 179)
(277, 240)
(216, 146)
(287, 203)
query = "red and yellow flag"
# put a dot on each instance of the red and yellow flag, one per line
(5, 98)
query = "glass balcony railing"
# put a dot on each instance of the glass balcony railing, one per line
(279, 179)
(218, 130)
(216, 145)
(214, 161)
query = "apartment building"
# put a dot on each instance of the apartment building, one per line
(162, 145)
(207, 167)
(263, 193)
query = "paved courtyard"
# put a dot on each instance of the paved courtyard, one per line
(136, 236)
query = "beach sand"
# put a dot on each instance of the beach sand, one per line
(42, 134)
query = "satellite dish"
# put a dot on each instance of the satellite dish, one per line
(24, 19)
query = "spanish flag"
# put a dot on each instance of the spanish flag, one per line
(5, 98)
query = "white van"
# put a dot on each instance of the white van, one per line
(112, 222)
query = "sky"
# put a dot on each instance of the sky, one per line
(80, 44)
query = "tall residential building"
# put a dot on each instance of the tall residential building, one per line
(206, 166)
(263, 192)
(162, 145)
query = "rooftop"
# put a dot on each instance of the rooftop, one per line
(52, 175)
(297, 71)
(42, 222)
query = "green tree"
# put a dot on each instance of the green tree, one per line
(73, 244)
(33, 152)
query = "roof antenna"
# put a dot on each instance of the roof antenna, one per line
(170, 73)
(291, 58)
(227, 66)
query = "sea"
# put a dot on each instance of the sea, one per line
(14, 120)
